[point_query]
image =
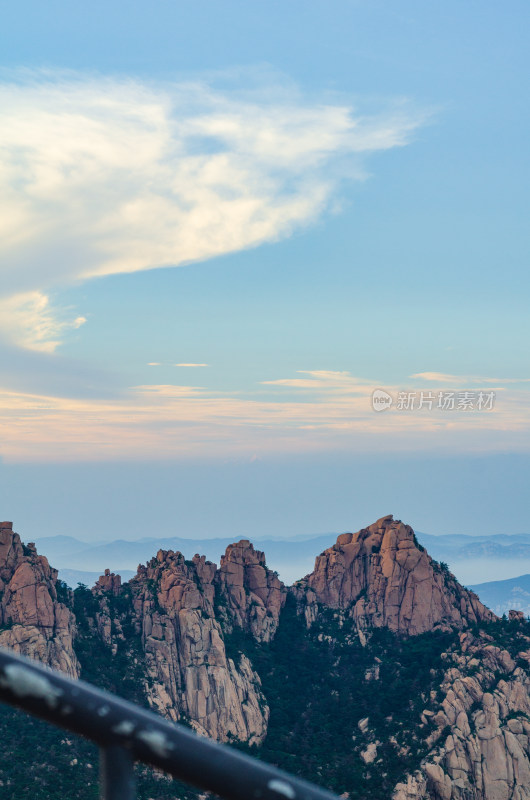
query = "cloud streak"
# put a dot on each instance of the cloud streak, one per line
(155, 422)
(107, 176)
(469, 380)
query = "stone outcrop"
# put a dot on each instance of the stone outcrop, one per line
(107, 624)
(189, 673)
(109, 582)
(252, 594)
(183, 611)
(33, 621)
(480, 732)
(383, 577)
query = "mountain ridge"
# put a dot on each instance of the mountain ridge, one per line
(377, 665)
(503, 595)
(292, 557)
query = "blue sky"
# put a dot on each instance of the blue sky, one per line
(336, 197)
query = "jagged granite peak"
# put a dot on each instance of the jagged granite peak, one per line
(184, 609)
(189, 673)
(108, 582)
(384, 577)
(11, 550)
(108, 626)
(33, 621)
(253, 594)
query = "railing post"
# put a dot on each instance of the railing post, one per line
(126, 733)
(116, 774)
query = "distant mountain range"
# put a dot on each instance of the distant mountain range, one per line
(458, 547)
(80, 561)
(501, 596)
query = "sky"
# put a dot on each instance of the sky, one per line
(224, 226)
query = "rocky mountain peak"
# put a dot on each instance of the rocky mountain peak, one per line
(243, 553)
(189, 672)
(382, 576)
(252, 593)
(33, 620)
(11, 550)
(109, 582)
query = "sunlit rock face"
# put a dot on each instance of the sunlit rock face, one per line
(189, 673)
(108, 582)
(383, 577)
(33, 621)
(253, 595)
(185, 610)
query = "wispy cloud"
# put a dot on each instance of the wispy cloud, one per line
(468, 380)
(105, 176)
(170, 421)
(191, 364)
(325, 380)
(29, 321)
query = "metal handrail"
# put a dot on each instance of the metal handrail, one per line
(126, 733)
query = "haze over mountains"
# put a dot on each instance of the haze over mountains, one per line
(501, 596)
(475, 560)
(80, 560)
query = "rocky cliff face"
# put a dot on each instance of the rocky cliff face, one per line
(33, 621)
(479, 734)
(384, 578)
(251, 595)
(185, 610)
(182, 610)
(189, 672)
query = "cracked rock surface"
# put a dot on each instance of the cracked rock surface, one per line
(479, 734)
(385, 579)
(33, 621)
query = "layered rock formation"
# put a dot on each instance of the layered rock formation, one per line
(383, 577)
(33, 621)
